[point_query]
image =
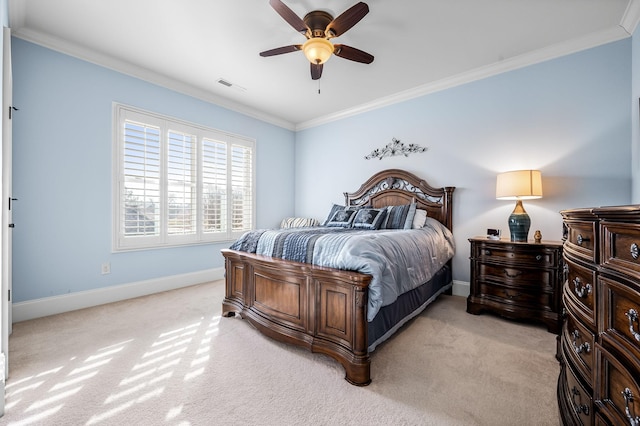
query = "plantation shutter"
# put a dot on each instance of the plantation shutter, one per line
(181, 183)
(214, 186)
(241, 188)
(140, 180)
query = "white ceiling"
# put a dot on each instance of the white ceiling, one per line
(419, 46)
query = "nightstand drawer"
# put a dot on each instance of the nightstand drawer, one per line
(517, 276)
(507, 253)
(517, 296)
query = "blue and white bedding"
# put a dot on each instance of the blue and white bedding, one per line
(398, 260)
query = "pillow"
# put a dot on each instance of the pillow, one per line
(342, 218)
(410, 215)
(298, 222)
(334, 209)
(419, 219)
(369, 218)
(400, 217)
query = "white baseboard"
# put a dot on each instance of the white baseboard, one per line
(46, 306)
(461, 288)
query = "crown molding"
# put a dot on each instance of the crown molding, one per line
(511, 64)
(145, 74)
(631, 17)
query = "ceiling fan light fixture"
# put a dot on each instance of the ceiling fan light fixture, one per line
(317, 50)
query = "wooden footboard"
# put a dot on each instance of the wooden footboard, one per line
(321, 309)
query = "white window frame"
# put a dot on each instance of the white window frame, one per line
(161, 236)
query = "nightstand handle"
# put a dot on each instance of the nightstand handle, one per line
(579, 408)
(539, 257)
(632, 314)
(628, 397)
(513, 275)
(581, 239)
(584, 347)
(634, 251)
(581, 290)
(486, 252)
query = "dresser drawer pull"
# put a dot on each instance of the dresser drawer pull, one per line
(510, 274)
(628, 398)
(584, 347)
(581, 239)
(539, 257)
(486, 252)
(579, 408)
(581, 290)
(632, 314)
(511, 295)
(634, 251)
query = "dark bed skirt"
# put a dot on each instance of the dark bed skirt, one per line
(390, 318)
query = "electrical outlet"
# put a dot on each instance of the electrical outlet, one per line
(106, 268)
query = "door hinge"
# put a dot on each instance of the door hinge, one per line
(9, 291)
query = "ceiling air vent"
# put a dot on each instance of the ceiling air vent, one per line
(230, 84)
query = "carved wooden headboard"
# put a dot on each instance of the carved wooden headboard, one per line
(396, 187)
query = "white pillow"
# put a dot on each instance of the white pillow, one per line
(419, 219)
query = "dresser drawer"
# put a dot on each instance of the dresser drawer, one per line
(522, 297)
(620, 318)
(621, 247)
(581, 239)
(526, 255)
(617, 394)
(578, 346)
(579, 399)
(580, 288)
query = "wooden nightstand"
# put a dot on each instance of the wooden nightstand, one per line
(517, 280)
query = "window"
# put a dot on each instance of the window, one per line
(177, 183)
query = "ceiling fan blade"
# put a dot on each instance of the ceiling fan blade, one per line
(281, 50)
(289, 15)
(316, 71)
(346, 20)
(352, 54)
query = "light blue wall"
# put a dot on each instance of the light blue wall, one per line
(635, 115)
(568, 117)
(62, 174)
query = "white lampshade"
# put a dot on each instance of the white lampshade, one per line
(317, 50)
(519, 185)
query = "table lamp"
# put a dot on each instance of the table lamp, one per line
(519, 185)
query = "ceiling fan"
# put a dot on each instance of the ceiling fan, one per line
(319, 27)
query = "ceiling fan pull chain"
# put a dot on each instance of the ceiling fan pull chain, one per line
(318, 86)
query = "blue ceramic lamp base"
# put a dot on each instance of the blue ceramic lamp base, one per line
(519, 223)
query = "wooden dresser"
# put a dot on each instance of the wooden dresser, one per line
(518, 280)
(599, 347)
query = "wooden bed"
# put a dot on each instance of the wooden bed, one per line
(325, 309)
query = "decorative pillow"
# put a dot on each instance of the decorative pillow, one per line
(410, 215)
(342, 218)
(397, 216)
(298, 222)
(334, 209)
(419, 219)
(369, 218)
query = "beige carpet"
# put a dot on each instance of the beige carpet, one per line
(169, 359)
